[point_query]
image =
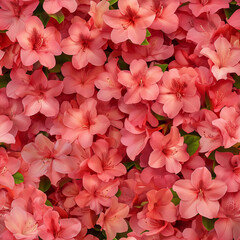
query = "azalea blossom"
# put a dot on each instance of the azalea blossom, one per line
(54, 6)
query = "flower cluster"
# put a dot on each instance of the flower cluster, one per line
(119, 119)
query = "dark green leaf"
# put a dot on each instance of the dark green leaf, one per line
(48, 203)
(44, 184)
(159, 117)
(63, 181)
(207, 102)
(208, 223)
(18, 178)
(118, 194)
(145, 42)
(162, 66)
(44, 17)
(148, 34)
(229, 11)
(129, 165)
(122, 64)
(193, 143)
(237, 81)
(3, 31)
(4, 80)
(175, 199)
(58, 16)
(111, 2)
(184, 4)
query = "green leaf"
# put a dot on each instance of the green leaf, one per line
(4, 80)
(229, 11)
(193, 143)
(237, 81)
(44, 17)
(207, 102)
(184, 4)
(18, 178)
(145, 42)
(148, 34)
(48, 203)
(111, 2)
(122, 64)
(175, 200)
(3, 31)
(63, 181)
(129, 165)
(208, 223)
(162, 66)
(159, 117)
(58, 16)
(118, 194)
(44, 184)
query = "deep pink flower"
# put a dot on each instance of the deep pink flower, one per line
(39, 44)
(141, 82)
(53, 6)
(5, 127)
(169, 151)
(178, 91)
(84, 44)
(200, 194)
(129, 22)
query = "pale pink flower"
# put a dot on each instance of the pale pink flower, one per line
(39, 44)
(58, 229)
(54, 6)
(14, 14)
(83, 123)
(5, 127)
(112, 221)
(200, 194)
(40, 95)
(169, 151)
(234, 20)
(228, 170)
(141, 82)
(107, 82)
(178, 91)
(229, 126)
(224, 58)
(84, 44)
(80, 81)
(96, 194)
(166, 20)
(212, 6)
(129, 22)
(21, 224)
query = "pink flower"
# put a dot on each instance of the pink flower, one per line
(83, 123)
(21, 224)
(112, 221)
(40, 95)
(166, 20)
(169, 151)
(141, 82)
(53, 6)
(234, 20)
(84, 44)
(96, 194)
(80, 81)
(201, 6)
(228, 170)
(39, 44)
(58, 229)
(160, 206)
(178, 91)
(224, 60)
(229, 126)
(5, 127)
(200, 194)
(106, 161)
(14, 14)
(129, 22)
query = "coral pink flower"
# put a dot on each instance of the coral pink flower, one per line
(14, 14)
(106, 161)
(166, 20)
(178, 91)
(21, 224)
(224, 60)
(58, 229)
(40, 95)
(200, 194)
(212, 6)
(53, 6)
(47, 158)
(141, 82)
(84, 44)
(228, 170)
(83, 123)
(160, 206)
(96, 194)
(112, 221)
(229, 126)
(129, 22)
(39, 44)
(5, 127)
(234, 20)
(80, 81)
(227, 226)
(107, 82)
(169, 151)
